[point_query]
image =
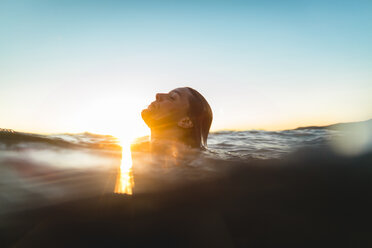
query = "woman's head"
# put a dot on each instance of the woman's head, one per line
(183, 113)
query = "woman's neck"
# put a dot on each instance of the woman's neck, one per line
(169, 134)
(174, 135)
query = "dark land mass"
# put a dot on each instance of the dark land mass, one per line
(341, 126)
(309, 199)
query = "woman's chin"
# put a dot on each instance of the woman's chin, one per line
(146, 116)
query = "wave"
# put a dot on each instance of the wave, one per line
(10, 139)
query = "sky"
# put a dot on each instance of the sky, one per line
(76, 66)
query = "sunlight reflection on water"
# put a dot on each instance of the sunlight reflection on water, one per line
(124, 181)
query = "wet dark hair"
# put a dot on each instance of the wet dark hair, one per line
(201, 115)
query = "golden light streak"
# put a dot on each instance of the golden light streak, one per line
(124, 181)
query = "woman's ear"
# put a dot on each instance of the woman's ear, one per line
(185, 123)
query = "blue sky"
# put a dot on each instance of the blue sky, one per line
(72, 66)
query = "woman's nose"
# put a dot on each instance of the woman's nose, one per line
(159, 96)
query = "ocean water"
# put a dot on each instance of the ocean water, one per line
(265, 144)
(40, 170)
(308, 187)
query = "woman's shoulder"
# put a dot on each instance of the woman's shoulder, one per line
(141, 145)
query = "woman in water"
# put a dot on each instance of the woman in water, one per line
(179, 122)
(181, 116)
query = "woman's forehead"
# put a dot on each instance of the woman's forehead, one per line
(181, 91)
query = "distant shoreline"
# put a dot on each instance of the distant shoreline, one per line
(338, 125)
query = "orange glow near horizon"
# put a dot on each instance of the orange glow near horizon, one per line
(143, 131)
(119, 115)
(283, 124)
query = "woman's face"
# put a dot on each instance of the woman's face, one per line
(168, 108)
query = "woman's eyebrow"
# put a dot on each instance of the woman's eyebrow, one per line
(175, 91)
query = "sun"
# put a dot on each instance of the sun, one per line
(118, 115)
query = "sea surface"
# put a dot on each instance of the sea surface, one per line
(265, 144)
(40, 170)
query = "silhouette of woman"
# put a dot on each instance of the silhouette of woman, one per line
(182, 116)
